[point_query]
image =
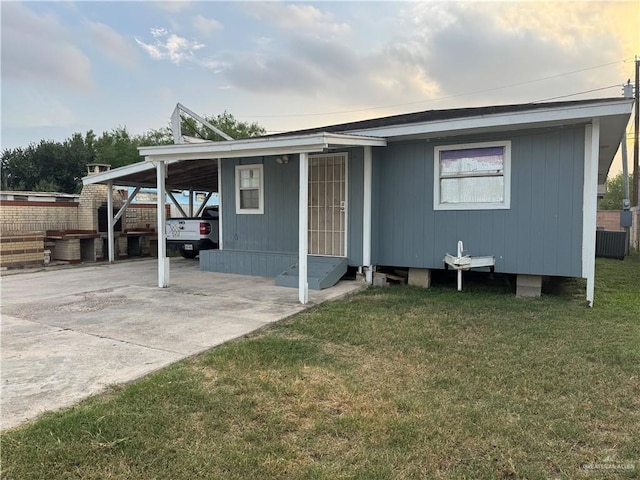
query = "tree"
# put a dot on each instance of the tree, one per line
(48, 166)
(225, 122)
(117, 148)
(59, 167)
(162, 136)
(615, 192)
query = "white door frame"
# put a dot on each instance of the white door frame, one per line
(346, 199)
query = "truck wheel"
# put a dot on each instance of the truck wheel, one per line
(188, 253)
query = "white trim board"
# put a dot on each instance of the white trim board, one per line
(590, 206)
(528, 117)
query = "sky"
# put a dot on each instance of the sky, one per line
(76, 66)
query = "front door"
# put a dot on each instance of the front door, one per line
(328, 205)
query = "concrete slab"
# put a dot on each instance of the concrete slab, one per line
(69, 333)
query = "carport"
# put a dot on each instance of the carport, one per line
(196, 167)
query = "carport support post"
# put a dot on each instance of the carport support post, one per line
(163, 261)
(366, 217)
(110, 222)
(219, 203)
(303, 227)
(590, 208)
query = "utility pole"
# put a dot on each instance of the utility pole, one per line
(626, 217)
(636, 161)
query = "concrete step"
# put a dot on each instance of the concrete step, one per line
(322, 272)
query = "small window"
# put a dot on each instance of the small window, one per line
(472, 176)
(249, 189)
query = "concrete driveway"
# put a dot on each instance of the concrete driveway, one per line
(69, 333)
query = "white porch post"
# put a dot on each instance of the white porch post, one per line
(366, 220)
(590, 208)
(219, 203)
(163, 261)
(303, 227)
(110, 222)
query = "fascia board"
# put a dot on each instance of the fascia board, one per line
(264, 146)
(117, 173)
(584, 112)
(256, 152)
(355, 141)
(215, 149)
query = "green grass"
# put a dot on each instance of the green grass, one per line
(391, 383)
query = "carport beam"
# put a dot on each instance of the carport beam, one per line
(303, 247)
(203, 204)
(163, 261)
(126, 204)
(177, 204)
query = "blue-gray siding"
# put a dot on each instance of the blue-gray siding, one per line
(259, 264)
(540, 234)
(277, 229)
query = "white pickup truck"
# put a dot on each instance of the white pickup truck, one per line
(192, 234)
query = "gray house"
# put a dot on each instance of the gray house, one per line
(517, 184)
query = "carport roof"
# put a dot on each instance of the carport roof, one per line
(192, 166)
(197, 175)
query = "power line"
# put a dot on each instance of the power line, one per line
(630, 135)
(624, 60)
(574, 94)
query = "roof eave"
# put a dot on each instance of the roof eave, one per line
(258, 146)
(582, 112)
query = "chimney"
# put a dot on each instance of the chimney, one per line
(94, 168)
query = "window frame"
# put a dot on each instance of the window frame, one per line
(250, 211)
(505, 204)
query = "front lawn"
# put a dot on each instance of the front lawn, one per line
(391, 383)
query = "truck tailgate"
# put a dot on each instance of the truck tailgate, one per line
(183, 229)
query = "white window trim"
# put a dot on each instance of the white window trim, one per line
(250, 211)
(504, 205)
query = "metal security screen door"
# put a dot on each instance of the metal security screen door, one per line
(327, 205)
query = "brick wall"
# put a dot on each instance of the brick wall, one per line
(21, 249)
(635, 229)
(92, 198)
(68, 250)
(140, 216)
(610, 220)
(22, 216)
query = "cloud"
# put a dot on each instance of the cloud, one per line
(174, 6)
(169, 46)
(480, 46)
(206, 26)
(308, 65)
(438, 52)
(33, 107)
(305, 18)
(38, 46)
(114, 45)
